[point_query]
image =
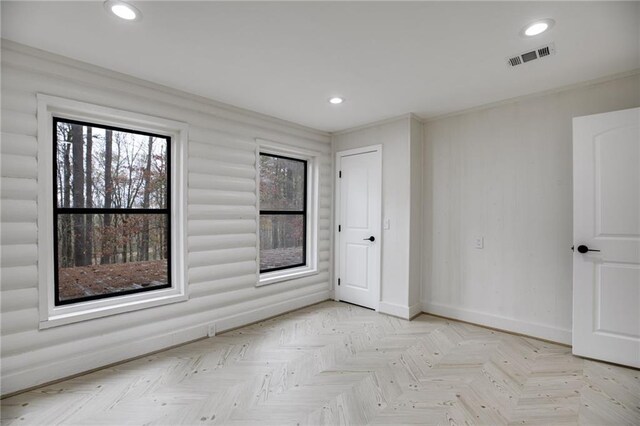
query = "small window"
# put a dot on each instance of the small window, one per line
(111, 215)
(283, 212)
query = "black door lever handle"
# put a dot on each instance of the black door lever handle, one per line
(583, 249)
(371, 238)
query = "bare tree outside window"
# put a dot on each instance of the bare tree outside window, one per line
(112, 216)
(283, 212)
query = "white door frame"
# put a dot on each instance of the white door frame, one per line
(337, 211)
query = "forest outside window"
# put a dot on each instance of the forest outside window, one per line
(283, 213)
(111, 212)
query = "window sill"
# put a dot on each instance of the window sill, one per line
(285, 275)
(97, 309)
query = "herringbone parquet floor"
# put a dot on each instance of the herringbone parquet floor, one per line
(335, 363)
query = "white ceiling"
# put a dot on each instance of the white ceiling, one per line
(386, 58)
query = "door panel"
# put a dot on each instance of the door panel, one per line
(618, 293)
(359, 218)
(606, 283)
(617, 182)
(357, 193)
(356, 273)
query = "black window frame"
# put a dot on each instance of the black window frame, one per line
(289, 212)
(166, 211)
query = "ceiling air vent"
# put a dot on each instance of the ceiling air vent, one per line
(515, 61)
(544, 51)
(532, 55)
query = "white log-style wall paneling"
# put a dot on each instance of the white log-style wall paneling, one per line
(222, 227)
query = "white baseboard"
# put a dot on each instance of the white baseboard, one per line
(542, 331)
(244, 318)
(42, 374)
(86, 362)
(400, 311)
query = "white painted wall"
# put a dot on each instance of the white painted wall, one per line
(505, 173)
(395, 136)
(221, 222)
(416, 147)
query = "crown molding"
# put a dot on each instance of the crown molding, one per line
(535, 95)
(407, 116)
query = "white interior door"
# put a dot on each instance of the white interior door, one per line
(359, 219)
(606, 217)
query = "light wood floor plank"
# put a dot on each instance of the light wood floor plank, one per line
(335, 364)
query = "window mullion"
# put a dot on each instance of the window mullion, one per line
(99, 210)
(281, 212)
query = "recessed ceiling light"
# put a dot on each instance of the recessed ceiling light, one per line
(537, 27)
(336, 100)
(123, 10)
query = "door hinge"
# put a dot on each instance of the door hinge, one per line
(339, 228)
(340, 174)
(338, 281)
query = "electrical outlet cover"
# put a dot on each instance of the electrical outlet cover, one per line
(478, 242)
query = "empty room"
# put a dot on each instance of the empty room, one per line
(319, 213)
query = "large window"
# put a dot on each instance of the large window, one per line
(111, 213)
(283, 212)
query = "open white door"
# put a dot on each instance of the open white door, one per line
(359, 195)
(606, 229)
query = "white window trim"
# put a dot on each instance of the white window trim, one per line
(313, 177)
(51, 315)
